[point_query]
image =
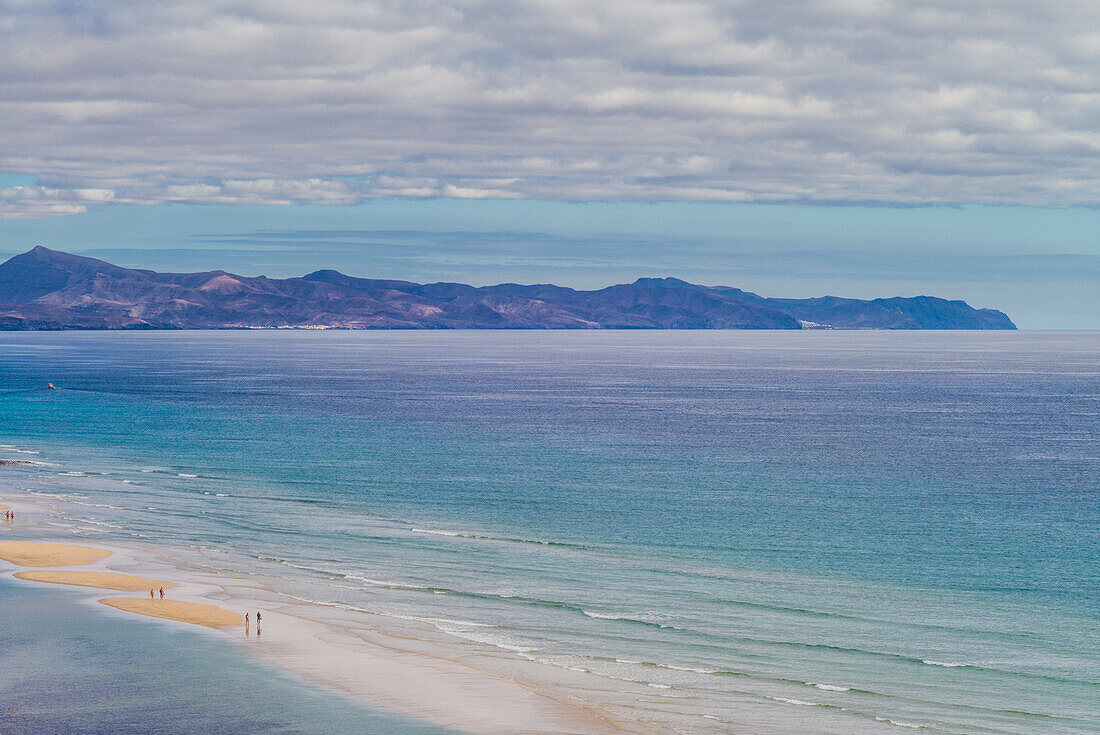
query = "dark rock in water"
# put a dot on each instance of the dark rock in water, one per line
(46, 289)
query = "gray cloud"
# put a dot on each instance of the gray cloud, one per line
(333, 101)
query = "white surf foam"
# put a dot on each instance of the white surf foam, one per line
(688, 668)
(899, 723)
(800, 702)
(437, 533)
(496, 641)
(606, 616)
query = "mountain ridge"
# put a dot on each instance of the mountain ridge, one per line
(46, 289)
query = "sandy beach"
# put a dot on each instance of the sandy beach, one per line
(402, 675)
(37, 554)
(99, 580)
(184, 612)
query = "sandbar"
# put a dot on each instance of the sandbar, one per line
(4, 507)
(35, 554)
(184, 612)
(101, 580)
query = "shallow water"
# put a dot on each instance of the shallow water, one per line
(66, 667)
(835, 531)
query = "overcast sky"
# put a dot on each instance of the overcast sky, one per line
(737, 132)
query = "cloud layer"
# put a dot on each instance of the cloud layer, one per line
(333, 101)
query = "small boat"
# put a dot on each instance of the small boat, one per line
(51, 386)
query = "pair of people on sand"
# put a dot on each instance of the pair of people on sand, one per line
(259, 619)
(151, 594)
(9, 515)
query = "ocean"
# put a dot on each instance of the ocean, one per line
(696, 532)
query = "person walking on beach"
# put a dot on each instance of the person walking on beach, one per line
(246, 623)
(162, 593)
(151, 594)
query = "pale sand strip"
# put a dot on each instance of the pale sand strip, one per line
(101, 580)
(414, 682)
(411, 678)
(450, 692)
(4, 507)
(184, 612)
(35, 554)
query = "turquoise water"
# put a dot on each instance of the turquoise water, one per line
(765, 532)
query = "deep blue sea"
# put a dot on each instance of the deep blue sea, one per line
(751, 532)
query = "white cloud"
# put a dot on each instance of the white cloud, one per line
(25, 202)
(334, 101)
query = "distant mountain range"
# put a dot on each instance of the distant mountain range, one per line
(47, 289)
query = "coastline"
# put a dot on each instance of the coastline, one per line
(70, 668)
(411, 667)
(405, 674)
(593, 528)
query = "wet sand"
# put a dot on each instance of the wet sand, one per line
(36, 554)
(183, 612)
(99, 580)
(406, 676)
